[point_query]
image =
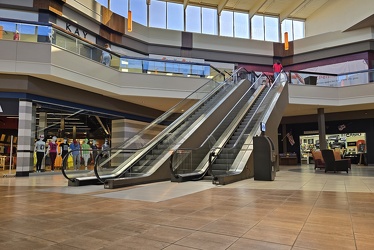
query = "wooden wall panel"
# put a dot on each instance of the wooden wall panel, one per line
(112, 20)
(54, 6)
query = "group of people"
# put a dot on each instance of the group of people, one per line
(54, 149)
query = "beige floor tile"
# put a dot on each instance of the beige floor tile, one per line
(207, 241)
(227, 228)
(324, 241)
(257, 245)
(285, 236)
(165, 234)
(364, 241)
(326, 229)
(188, 222)
(136, 243)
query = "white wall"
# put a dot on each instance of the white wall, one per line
(88, 7)
(338, 15)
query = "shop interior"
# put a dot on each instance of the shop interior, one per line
(57, 121)
(350, 145)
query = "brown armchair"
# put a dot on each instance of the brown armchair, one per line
(334, 165)
(338, 156)
(318, 160)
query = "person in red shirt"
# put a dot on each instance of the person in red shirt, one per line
(16, 36)
(277, 68)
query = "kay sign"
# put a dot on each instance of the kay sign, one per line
(75, 30)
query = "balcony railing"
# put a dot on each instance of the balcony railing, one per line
(27, 32)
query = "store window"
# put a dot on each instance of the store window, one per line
(350, 145)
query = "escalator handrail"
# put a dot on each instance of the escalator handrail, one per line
(211, 134)
(223, 119)
(254, 113)
(160, 135)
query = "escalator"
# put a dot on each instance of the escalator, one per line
(184, 161)
(228, 157)
(140, 158)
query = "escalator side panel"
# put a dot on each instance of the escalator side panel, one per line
(272, 120)
(191, 139)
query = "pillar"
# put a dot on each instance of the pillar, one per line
(322, 129)
(26, 138)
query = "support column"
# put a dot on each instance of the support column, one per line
(26, 138)
(322, 129)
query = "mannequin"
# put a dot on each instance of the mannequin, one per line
(40, 152)
(64, 150)
(75, 149)
(105, 148)
(52, 151)
(105, 152)
(94, 150)
(86, 153)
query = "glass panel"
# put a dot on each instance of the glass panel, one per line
(137, 155)
(9, 30)
(27, 32)
(271, 29)
(193, 19)
(44, 34)
(103, 2)
(298, 29)
(257, 27)
(209, 21)
(139, 11)
(120, 7)
(287, 27)
(175, 16)
(227, 23)
(157, 14)
(241, 25)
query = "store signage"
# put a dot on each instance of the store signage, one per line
(9, 107)
(311, 132)
(353, 134)
(76, 31)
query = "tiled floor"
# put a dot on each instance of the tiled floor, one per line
(301, 209)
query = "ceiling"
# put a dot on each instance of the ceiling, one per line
(298, 9)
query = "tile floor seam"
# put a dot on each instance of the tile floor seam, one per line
(305, 221)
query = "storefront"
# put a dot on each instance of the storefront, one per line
(350, 145)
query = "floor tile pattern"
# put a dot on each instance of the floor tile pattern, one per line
(301, 209)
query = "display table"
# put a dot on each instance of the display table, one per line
(288, 159)
(362, 159)
(354, 158)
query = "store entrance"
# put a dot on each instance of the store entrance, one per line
(350, 146)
